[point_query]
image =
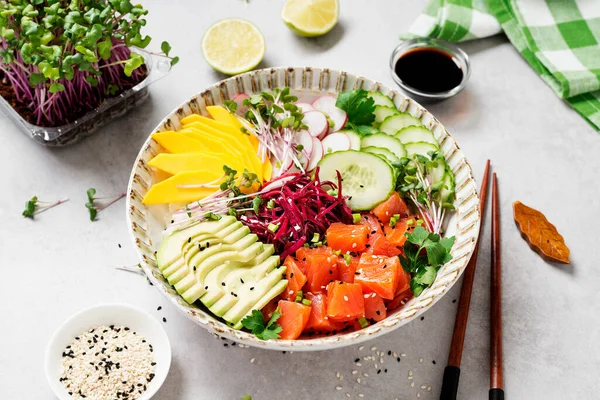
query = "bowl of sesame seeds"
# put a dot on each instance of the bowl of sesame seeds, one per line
(111, 351)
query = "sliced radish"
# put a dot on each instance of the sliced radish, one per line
(316, 156)
(316, 122)
(305, 107)
(239, 99)
(326, 105)
(304, 139)
(336, 142)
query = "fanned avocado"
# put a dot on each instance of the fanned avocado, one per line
(224, 265)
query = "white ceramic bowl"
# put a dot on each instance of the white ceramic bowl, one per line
(146, 224)
(109, 314)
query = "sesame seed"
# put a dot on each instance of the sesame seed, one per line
(361, 395)
(345, 298)
(348, 395)
(429, 388)
(357, 380)
(338, 388)
(373, 348)
(418, 395)
(354, 372)
(252, 360)
(365, 375)
(420, 360)
(412, 384)
(361, 348)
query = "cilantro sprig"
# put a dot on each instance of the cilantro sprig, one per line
(255, 322)
(424, 254)
(359, 107)
(35, 206)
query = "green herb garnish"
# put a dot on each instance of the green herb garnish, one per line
(255, 322)
(424, 265)
(359, 107)
(356, 218)
(35, 206)
(92, 203)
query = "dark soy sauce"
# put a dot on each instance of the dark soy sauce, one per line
(429, 70)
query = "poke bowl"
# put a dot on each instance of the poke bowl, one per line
(332, 199)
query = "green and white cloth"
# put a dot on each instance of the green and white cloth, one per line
(560, 39)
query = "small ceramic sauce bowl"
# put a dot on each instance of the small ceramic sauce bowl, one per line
(109, 314)
(458, 56)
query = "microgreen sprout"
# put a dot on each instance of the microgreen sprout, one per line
(35, 206)
(94, 207)
(59, 55)
(415, 181)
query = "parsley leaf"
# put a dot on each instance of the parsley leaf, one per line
(358, 105)
(424, 254)
(255, 322)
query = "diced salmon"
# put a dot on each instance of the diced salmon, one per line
(295, 277)
(345, 301)
(318, 320)
(396, 235)
(346, 271)
(321, 267)
(270, 308)
(347, 238)
(399, 300)
(385, 210)
(403, 281)
(294, 317)
(374, 307)
(381, 246)
(378, 274)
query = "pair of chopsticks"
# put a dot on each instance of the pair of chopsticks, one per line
(452, 370)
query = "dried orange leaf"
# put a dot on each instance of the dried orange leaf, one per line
(541, 235)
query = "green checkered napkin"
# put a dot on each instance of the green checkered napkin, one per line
(559, 38)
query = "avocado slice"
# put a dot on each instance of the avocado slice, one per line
(234, 274)
(171, 248)
(231, 292)
(271, 294)
(251, 297)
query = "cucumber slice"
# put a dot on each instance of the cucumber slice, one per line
(386, 142)
(381, 99)
(380, 151)
(416, 134)
(392, 124)
(354, 138)
(368, 179)
(422, 148)
(448, 191)
(369, 129)
(382, 112)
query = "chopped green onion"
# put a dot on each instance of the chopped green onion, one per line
(273, 228)
(410, 222)
(348, 259)
(356, 218)
(394, 220)
(212, 216)
(332, 192)
(306, 302)
(337, 252)
(299, 295)
(318, 244)
(270, 204)
(419, 222)
(315, 238)
(363, 322)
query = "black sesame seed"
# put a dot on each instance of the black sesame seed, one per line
(356, 360)
(164, 319)
(119, 245)
(330, 272)
(454, 301)
(422, 318)
(222, 283)
(252, 288)
(385, 370)
(292, 275)
(398, 359)
(378, 312)
(378, 371)
(159, 308)
(205, 287)
(189, 239)
(367, 245)
(389, 353)
(433, 362)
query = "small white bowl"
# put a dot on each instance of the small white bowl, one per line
(109, 314)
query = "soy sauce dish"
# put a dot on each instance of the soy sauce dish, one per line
(430, 69)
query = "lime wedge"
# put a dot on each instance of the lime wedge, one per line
(233, 46)
(310, 17)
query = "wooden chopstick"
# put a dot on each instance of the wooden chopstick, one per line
(452, 370)
(496, 384)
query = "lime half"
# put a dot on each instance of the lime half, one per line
(310, 17)
(233, 46)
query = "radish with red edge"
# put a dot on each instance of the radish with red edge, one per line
(304, 139)
(317, 123)
(305, 107)
(335, 142)
(326, 105)
(317, 154)
(239, 99)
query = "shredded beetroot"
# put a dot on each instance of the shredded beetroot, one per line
(301, 208)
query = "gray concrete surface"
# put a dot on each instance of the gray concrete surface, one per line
(544, 153)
